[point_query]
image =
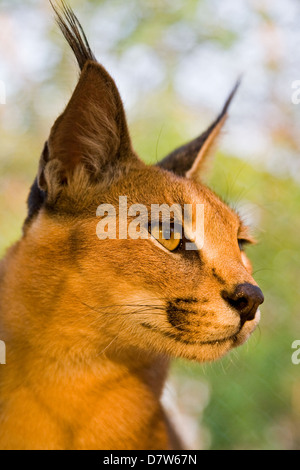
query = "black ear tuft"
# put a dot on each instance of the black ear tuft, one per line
(181, 160)
(74, 33)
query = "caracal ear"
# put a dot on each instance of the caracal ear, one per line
(190, 159)
(90, 140)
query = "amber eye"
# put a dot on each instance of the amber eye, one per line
(170, 239)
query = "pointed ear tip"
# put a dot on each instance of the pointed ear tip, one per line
(93, 71)
(237, 85)
(232, 95)
(90, 64)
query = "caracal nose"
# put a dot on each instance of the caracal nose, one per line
(246, 299)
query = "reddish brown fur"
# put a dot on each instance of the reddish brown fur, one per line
(86, 322)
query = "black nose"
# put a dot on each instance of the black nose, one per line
(245, 299)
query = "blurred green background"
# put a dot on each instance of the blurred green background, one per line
(175, 61)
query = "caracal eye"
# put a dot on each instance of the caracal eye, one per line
(170, 239)
(242, 243)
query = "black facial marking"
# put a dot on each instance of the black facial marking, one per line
(219, 278)
(35, 201)
(179, 338)
(175, 313)
(178, 309)
(37, 196)
(187, 300)
(168, 334)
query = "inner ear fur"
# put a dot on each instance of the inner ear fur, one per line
(92, 132)
(189, 159)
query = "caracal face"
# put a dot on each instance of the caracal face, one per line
(181, 302)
